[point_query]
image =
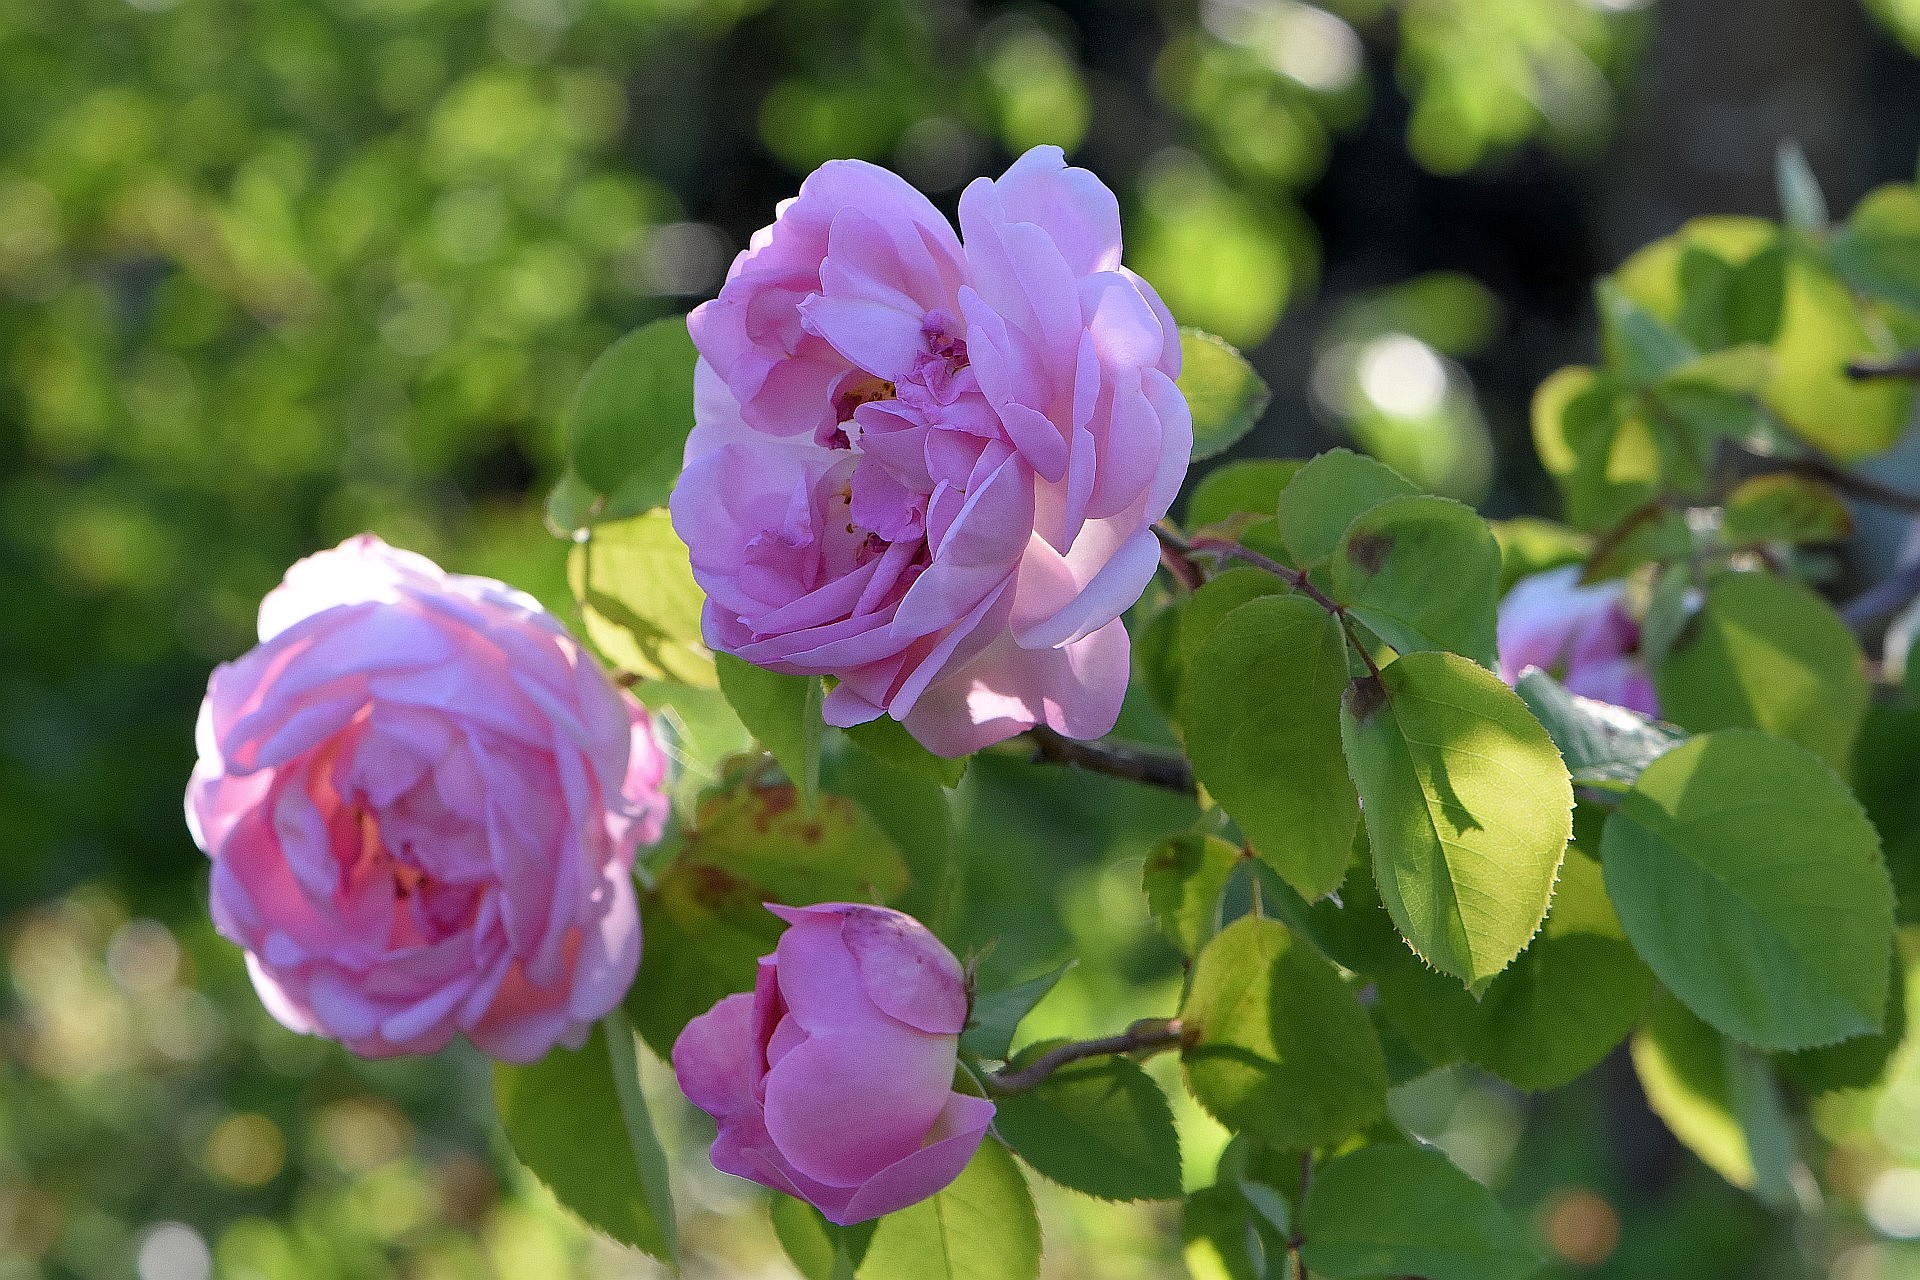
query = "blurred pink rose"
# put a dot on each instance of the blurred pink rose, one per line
(931, 470)
(421, 799)
(833, 1081)
(1584, 636)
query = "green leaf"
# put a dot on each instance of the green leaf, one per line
(1640, 347)
(1208, 607)
(701, 732)
(1569, 998)
(819, 1249)
(628, 427)
(831, 853)
(887, 740)
(1468, 809)
(1404, 1210)
(982, 1226)
(642, 1141)
(1218, 1236)
(1886, 775)
(997, 1014)
(1185, 879)
(1326, 495)
(1280, 1048)
(1227, 397)
(1251, 486)
(1262, 718)
(1856, 1063)
(1800, 196)
(1717, 1098)
(1821, 332)
(1607, 461)
(705, 931)
(1529, 546)
(1767, 653)
(1753, 843)
(1099, 1126)
(559, 1115)
(1391, 565)
(1878, 251)
(1603, 745)
(572, 505)
(635, 586)
(783, 712)
(1784, 508)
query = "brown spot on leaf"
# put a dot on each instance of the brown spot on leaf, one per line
(1370, 550)
(1364, 697)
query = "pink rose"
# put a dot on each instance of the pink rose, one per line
(931, 469)
(421, 799)
(1582, 635)
(833, 1081)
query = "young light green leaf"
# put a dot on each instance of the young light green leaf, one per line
(630, 419)
(1100, 1126)
(1767, 653)
(887, 740)
(1227, 397)
(1185, 879)
(831, 853)
(982, 1226)
(1468, 809)
(1603, 745)
(699, 731)
(783, 712)
(1878, 251)
(1280, 1048)
(1822, 330)
(998, 1014)
(1404, 1210)
(1800, 197)
(1325, 496)
(1392, 562)
(1261, 708)
(635, 586)
(557, 1114)
(1717, 1098)
(1608, 462)
(1751, 842)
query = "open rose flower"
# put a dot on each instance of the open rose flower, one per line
(930, 468)
(833, 1080)
(1584, 636)
(421, 799)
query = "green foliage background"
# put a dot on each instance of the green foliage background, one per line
(276, 271)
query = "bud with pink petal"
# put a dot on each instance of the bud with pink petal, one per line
(833, 1080)
(930, 468)
(421, 799)
(1582, 635)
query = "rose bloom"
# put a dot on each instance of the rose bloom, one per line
(929, 468)
(833, 1080)
(1583, 636)
(421, 799)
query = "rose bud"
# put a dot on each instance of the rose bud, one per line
(931, 469)
(833, 1080)
(1581, 635)
(421, 799)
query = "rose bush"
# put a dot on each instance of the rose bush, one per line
(1583, 635)
(833, 1080)
(421, 799)
(929, 467)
